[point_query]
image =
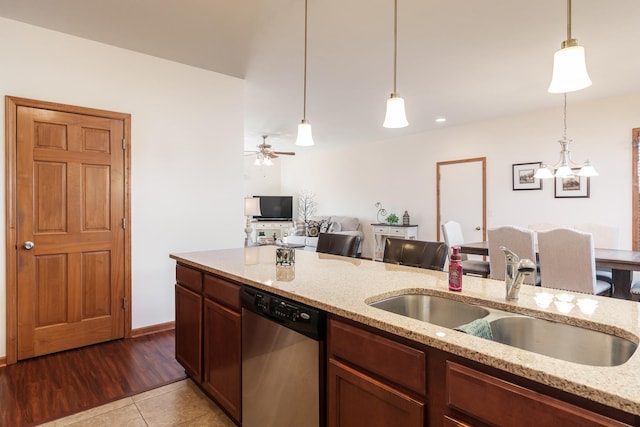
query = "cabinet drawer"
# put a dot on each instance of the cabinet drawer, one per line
(401, 364)
(222, 291)
(498, 402)
(189, 278)
(381, 230)
(397, 231)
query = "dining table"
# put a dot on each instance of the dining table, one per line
(621, 262)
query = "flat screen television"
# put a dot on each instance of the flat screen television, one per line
(275, 208)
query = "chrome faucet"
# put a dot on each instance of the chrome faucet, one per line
(515, 272)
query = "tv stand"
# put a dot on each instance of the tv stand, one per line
(269, 228)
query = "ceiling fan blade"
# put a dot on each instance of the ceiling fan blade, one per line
(285, 153)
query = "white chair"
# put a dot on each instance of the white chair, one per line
(604, 237)
(635, 291)
(518, 240)
(567, 261)
(543, 226)
(452, 233)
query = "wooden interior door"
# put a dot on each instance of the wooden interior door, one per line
(462, 196)
(71, 245)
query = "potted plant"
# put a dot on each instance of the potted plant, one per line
(393, 218)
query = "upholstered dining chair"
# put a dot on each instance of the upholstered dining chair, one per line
(567, 261)
(635, 291)
(338, 244)
(604, 237)
(452, 234)
(518, 240)
(415, 253)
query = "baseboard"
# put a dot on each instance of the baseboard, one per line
(3, 361)
(147, 330)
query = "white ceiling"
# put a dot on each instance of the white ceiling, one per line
(465, 60)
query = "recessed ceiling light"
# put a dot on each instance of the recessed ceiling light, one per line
(441, 120)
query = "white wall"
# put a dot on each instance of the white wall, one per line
(401, 173)
(187, 143)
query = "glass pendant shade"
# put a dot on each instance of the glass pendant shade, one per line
(304, 134)
(587, 170)
(564, 171)
(543, 173)
(569, 70)
(396, 116)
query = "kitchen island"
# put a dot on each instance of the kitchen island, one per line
(343, 286)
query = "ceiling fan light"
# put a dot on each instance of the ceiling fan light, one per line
(267, 161)
(543, 173)
(569, 70)
(304, 139)
(395, 116)
(257, 161)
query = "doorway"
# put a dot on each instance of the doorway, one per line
(635, 187)
(68, 242)
(462, 196)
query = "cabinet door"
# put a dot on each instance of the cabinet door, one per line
(222, 358)
(355, 399)
(189, 331)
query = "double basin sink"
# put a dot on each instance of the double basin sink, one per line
(553, 339)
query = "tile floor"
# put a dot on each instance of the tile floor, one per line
(178, 404)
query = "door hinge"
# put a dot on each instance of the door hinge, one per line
(124, 222)
(124, 143)
(124, 303)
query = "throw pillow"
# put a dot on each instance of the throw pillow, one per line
(324, 226)
(335, 227)
(300, 228)
(313, 228)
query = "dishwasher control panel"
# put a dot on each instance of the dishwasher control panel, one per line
(297, 316)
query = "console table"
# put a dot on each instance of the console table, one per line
(269, 228)
(382, 231)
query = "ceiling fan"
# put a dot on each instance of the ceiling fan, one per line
(265, 153)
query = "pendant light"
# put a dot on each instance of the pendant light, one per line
(396, 116)
(565, 166)
(569, 66)
(304, 128)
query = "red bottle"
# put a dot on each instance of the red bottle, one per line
(455, 270)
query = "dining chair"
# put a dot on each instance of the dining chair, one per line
(635, 291)
(415, 253)
(452, 233)
(604, 237)
(518, 240)
(567, 261)
(338, 244)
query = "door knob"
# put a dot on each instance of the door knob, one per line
(28, 245)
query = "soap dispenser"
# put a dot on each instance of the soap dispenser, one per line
(455, 270)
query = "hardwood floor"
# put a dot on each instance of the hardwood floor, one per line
(48, 387)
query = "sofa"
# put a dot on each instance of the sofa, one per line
(307, 233)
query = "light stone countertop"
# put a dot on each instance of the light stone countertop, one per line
(343, 286)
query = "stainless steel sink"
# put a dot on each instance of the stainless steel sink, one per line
(561, 341)
(439, 311)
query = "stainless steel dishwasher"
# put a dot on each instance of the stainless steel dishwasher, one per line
(282, 361)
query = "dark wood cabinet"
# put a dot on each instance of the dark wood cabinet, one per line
(208, 335)
(494, 401)
(222, 358)
(189, 331)
(373, 380)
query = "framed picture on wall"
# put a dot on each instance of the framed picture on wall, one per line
(523, 176)
(573, 186)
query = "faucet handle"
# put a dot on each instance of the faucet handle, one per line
(509, 255)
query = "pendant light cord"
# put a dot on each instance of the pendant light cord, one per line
(568, 19)
(304, 96)
(564, 115)
(395, 43)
